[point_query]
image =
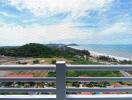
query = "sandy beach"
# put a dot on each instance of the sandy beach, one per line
(96, 54)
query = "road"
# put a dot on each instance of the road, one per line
(125, 74)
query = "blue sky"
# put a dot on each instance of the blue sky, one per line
(65, 21)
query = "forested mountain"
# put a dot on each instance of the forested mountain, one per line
(41, 50)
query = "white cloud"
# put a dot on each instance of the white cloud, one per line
(112, 34)
(7, 14)
(17, 35)
(4, 14)
(50, 7)
(116, 28)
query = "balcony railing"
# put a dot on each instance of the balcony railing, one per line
(60, 79)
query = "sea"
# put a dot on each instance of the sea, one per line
(121, 52)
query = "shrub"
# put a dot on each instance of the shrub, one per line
(53, 62)
(36, 62)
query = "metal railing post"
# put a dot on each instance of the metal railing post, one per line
(60, 80)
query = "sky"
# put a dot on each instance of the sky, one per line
(65, 21)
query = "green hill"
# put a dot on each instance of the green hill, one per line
(40, 50)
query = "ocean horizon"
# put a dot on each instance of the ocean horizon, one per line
(121, 52)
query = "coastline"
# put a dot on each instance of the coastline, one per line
(97, 54)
